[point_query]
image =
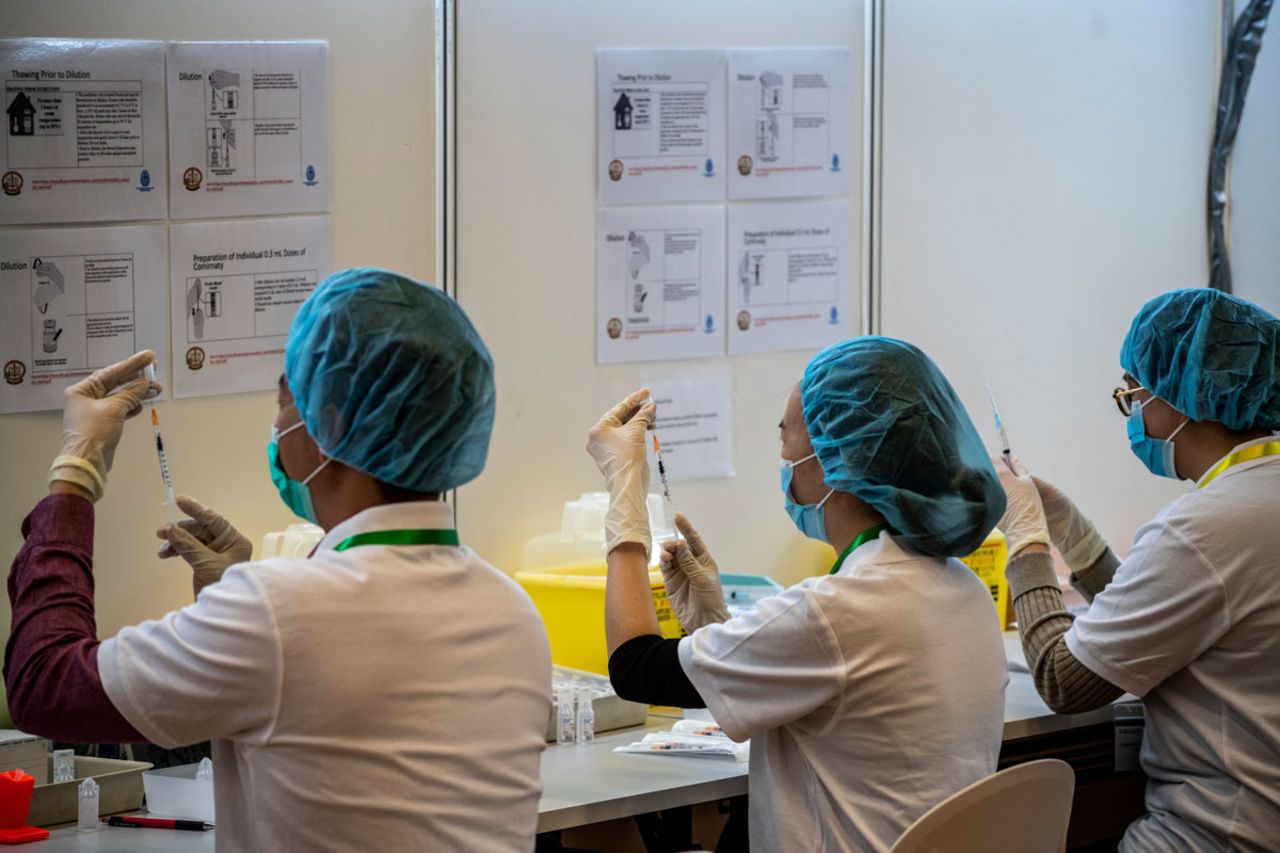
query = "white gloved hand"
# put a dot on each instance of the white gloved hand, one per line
(93, 416)
(692, 579)
(1023, 522)
(616, 443)
(1074, 535)
(206, 540)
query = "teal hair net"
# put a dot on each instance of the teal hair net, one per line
(391, 378)
(1210, 355)
(888, 428)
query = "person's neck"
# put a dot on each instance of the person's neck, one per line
(347, 492)
(1201, 445)
(849, 517)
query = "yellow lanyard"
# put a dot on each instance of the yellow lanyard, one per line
(1270, 448)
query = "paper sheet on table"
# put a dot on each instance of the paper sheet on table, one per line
(248, 128)
(234, 289)
(791, 277)
(695, 427)
(84, 136)
(73, 300)
(691, 739)
(659, 126)
(659, 283)
(790, 122)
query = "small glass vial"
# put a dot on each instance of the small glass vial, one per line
(565, 730)
(204, 773)
(64, 765)
(586, 717)
(87, 820)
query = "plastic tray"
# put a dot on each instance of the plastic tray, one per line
(119, 790)
(176, 792)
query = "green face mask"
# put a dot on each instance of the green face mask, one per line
(296, 496)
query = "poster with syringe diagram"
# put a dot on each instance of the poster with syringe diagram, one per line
(235, 287)
(73, 300)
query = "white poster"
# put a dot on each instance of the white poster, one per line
(694, 427)
(84, 131)
(248, 128)
(790, 276)
(234, 289)
(659, 126)
(789, 122)
(74, 300)
(659, 283)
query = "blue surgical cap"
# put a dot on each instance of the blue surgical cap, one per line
(391, 378)
(1210, 355)
(888, 428)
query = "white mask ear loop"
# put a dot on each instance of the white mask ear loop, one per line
(1178, 430)
(827, 498)
(312, 475)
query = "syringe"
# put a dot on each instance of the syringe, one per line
(164, 460)
(1004, 437)
(666, 488)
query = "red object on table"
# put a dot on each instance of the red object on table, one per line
(16, 789)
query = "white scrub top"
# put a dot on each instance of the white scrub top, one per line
(377, 698)
(1191, 623)
(870, 696)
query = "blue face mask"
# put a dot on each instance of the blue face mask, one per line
(296, 496)
(1155, 453)
(811, 519)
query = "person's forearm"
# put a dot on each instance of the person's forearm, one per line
(51, 659)
(1066, 685)
(628, 597)
(1094, 579)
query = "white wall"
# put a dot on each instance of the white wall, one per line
(382, 149)
(1044, 175)
(526, 273)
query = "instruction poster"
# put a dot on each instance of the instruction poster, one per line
(791, 283)
(659, 283)
(234, 289)
(248, 128)
(75, 300)
(789, 122)
(695, 428)
(660, 126)
(83, 131)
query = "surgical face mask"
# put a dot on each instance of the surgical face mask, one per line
(811, 519)
(1155, 453)
(296, 496)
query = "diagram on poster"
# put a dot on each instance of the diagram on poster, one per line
(789, 122)
(75, 300)
(248, 128)
(234, 289)
(659, 283)
(660, 126)
(84, 130)
(791, 282)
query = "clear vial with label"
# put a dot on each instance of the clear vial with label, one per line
(565, 729)
(87, 820)
(586, 717)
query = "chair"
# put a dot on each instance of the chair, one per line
(1024, 808)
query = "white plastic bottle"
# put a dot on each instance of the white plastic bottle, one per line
(87, 818)
(565, 730)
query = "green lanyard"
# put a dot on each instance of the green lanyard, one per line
(863, 538)
(399, 537)
(1270, 448)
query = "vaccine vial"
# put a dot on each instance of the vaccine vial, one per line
(87, 820)
(565, 729)
(586, 717)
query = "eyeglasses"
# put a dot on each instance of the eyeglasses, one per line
(1123, 398)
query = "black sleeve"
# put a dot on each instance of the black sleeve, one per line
(647, 669)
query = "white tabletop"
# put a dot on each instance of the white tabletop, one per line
(589, 784)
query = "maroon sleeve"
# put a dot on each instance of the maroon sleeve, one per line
(51, 659)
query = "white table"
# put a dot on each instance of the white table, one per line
(590, 784)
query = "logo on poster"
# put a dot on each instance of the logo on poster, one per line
(144, 182)
(744, 320)
(709, 170)
(14, 372)
(709, 325)
(195, 358)
(835, 162)
(835, 316)
(744, 165)
(192, 178)
(615, 170)
(311, 176)
(11, 183)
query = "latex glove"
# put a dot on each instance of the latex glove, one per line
(206, 540)
(1074, 535)
(692, 579)
(617, 444)
(1023, 522)
(93, 416)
